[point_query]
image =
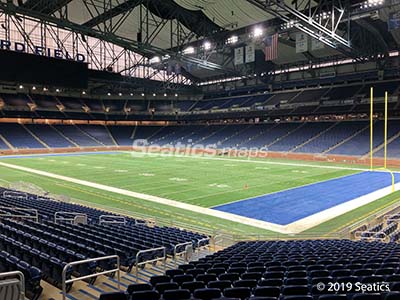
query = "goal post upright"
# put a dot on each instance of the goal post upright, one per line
(371, 130)
(385, 131)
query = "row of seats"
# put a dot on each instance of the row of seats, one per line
(342, 138)
(280, 270)
(42, 248)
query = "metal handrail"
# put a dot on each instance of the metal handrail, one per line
(21, 280)
(35, 211)
(163, 258)
(203, 240)
(393, 217)
(357, 234)
(112, 219)
(75, 214)
(180, 253)
(15, 194)
(64, 280)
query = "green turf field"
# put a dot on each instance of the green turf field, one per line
(205, 182)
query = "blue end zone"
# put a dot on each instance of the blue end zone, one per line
(291, 205)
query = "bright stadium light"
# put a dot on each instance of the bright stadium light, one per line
(257, 32)
(83, 93)
(21, 87)
(176, 95)
(45, 89)
(188, 50)
(142, 94)
(232, 40)
(165, 94)
(155, 60)
(207, 45)
(108, 94)
(131, 94)
(371, 3)
(154, 95)
(57, 90)
(34, 88)
(120, 94)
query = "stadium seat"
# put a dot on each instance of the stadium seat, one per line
(145, 295)
(267, 291)
(238, 292)
(138, 287)
(113, 296)
(193, 285)
(207, 294)
(179, 294)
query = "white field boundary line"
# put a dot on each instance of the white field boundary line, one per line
(139, 154)
(292, 228)
(163, 201)
(333, 212)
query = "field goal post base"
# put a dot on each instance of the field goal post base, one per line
(391, 173)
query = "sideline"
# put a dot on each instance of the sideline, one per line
(292, 228)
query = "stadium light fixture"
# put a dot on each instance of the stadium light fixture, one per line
(83, 93)
(57, 90)
(176, 95)
(131, 94)
(154, 95)
(21, 87)
(165, 94)
(257, 32)
(45, 89)
(155, 60)
(188, 50)
(207, 45)
(142, 94)
(371, 3)
(120, 94)
(108, 94)
(34, 88)
(232, 40)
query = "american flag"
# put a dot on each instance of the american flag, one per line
(271, 47)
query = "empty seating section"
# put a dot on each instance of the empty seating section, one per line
(284, 97)
(42, 249)
(310, 96)
(272, 135)
(144, 132)
(326, 137)
(99, 133)
(359, 144)
(393, 149)
(343, 92)
(3, 145)
(281, 270)
(340, 132)
(122, 134)
(50, 136)
(381, 88)
(18, 100)
(294, 138)
(75, 134)
(242, 135)
(18, 137)
(184, 105)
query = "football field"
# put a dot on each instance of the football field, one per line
(208, 192)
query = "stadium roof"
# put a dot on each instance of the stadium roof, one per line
(210, 19)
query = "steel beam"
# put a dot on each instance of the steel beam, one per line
(311, 21)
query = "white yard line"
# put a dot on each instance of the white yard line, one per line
(293, 228)
(133, 153)
(164, 201)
